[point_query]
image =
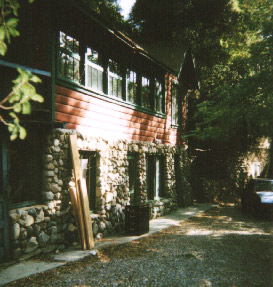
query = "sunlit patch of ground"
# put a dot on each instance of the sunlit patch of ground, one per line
(218, 248)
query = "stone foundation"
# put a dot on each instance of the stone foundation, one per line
(51, 226)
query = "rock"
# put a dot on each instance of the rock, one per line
(51, 205)
(55, 188)
(32, 211)
(43, 239)
(23, 234)
(29, 220)
(48, 158)
(30, 231)
(32, 245)
(49, 173)
(16, 253)
(99, 236)
(36, 229)
(15, 231)
(95, 229)
(21, 212)
(56, 142)
(50, 166)
(14, 217)
(102, 226)
(54, 238)
(40, 217)
(48, 195)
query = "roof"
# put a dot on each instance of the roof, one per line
(170, 53)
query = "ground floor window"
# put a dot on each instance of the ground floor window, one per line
(155, 176)
(132, 176)
(88, 164)
(25, 169)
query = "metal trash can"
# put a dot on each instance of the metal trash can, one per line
(137, 219)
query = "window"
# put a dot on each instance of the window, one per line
(159, 98)
(69, 58)
(132, 176)
(115, 79)
(145, 92)
(155, 176)
(131, 86)
(24, 169)
(88, 164)
(175, 104)
(84, 65)
(93, 70)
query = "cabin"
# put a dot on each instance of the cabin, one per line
(128, 108)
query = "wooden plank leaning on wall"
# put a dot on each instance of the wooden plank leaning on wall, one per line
(79, 199)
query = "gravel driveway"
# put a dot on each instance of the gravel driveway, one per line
(217, 248)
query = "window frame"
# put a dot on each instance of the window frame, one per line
(92, 178)
(131, 158)
(155, 181)
(71, 54)
(175, 112)
(133, 97)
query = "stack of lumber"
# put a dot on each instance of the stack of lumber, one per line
(79, 199)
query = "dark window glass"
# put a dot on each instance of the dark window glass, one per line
(115, 79)
(145, 92)
(25, 170)
(159, 99)
(131, 86)
(94, 70)
(175, 104)
(69, 58)
(88, 164)
(155, 176)
(132, 177)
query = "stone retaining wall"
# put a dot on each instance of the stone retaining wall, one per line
(51, 226)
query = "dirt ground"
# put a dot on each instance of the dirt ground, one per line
(218, 248)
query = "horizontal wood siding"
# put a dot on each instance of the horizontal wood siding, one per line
(104, 118)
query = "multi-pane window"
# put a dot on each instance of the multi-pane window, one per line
(69, 58)
(86, 66)
(115, 79)
(132, 177)
(131, 86)
(175, 104)
(155, 176)
(145, 92)
(88, 165)
(93, 70)
(158, 94)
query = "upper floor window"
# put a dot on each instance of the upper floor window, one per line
(175, 104)
(159, 98)
(93, 70)
(115, 79)
(131, 86)
(145, 92)
(69, 58)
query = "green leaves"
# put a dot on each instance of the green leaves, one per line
(19, 100)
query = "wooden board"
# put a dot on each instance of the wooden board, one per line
(78, 215)
(81, 198)
(86, 213)
(74, 194)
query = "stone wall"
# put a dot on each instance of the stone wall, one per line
(51, 226)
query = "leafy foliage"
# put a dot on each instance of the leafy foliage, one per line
(232, 43)
(109, 10)
(23, 91)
